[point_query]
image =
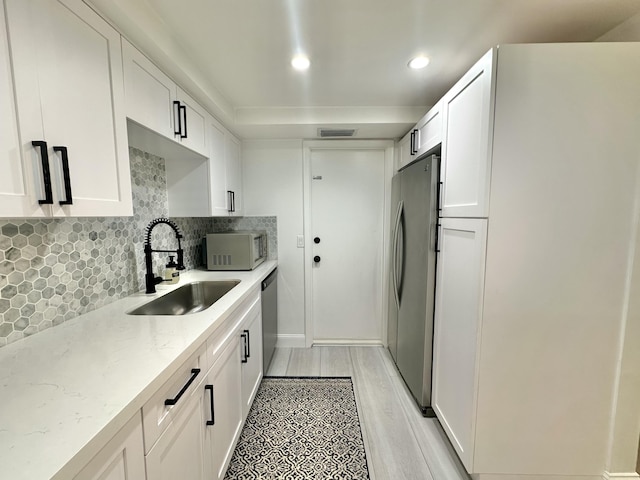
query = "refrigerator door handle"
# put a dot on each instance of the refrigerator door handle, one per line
(400, 270)
(394, 263)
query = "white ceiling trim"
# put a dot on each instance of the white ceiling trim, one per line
(327, 116)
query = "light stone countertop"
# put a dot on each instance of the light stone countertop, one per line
(67, 390)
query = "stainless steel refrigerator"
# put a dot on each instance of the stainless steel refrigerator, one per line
(414, 207)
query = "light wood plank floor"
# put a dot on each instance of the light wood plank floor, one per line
(400, 443)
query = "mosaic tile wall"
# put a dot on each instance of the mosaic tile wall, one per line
(52, 270)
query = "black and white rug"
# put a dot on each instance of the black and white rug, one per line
(301, 428)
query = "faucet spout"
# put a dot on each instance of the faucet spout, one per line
(150, 279)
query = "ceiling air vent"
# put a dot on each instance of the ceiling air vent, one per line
(336, 132)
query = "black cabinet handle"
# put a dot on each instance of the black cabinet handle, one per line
(248, 345)
(316, 240)
(46, 172)
(213, 407)
(65, 175)
(177, 120)
(232, 201)
(414, 140)
(243, 355)
(317, 259)
(411, 143)
(183, 122)
(173, 401)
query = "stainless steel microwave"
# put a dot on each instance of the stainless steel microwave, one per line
(234, 250)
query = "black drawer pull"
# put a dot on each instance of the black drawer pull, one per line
(243, 354)
(213, 408)
(248, 345)
(173, 401)
(65, 175)
(46, 172)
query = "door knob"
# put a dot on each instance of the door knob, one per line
(316, 259)
(316, 240)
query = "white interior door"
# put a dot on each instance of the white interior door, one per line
(347, 255)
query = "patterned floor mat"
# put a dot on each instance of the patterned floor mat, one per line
(301, 428)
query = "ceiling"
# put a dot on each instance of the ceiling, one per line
(233, 55)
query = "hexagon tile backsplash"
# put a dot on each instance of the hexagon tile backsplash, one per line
(52, 270)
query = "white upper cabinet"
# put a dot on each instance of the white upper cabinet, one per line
(149, 92)
(466, 142)
(193, 123)
(426, 135)
(404, 157)
(16, 196)
(429, 131)
(67, 67)
(157, 103)
(219, 196)
(233, 167)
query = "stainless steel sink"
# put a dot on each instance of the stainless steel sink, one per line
(190, 298)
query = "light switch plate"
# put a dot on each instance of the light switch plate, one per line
(300, 241)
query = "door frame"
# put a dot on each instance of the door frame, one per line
(308, 146)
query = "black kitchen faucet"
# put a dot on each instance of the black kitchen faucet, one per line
(150, 279)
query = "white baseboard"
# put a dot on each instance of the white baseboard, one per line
(353, 343)
(620, 476)
(291, 341)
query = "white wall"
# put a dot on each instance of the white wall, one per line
(272, 176)
(627, 31)
(624, 452)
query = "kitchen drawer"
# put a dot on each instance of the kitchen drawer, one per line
(156, 415)
(220, 338)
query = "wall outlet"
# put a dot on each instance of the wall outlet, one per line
(300, 241)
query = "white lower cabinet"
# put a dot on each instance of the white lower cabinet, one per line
(223, 409)
(189, 427)
(180, 450)
(458, 315)
(251, 355)
(121, 459)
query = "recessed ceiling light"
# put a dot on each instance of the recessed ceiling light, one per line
(418, 62)
(300, 62)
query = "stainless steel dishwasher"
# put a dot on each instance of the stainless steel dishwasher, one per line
(269, 318)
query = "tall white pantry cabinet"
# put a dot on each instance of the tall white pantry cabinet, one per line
(535, 271)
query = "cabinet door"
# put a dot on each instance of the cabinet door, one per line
(217, 169)
(429, 130)
(194, 124)
(69, 91)
(404, 150)
(149, 92)
(466, 143)
(180, 450)
(234, 174)
(224, 409)
(121, 459)
(458, 315)
(251, 354)
(19, 193)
